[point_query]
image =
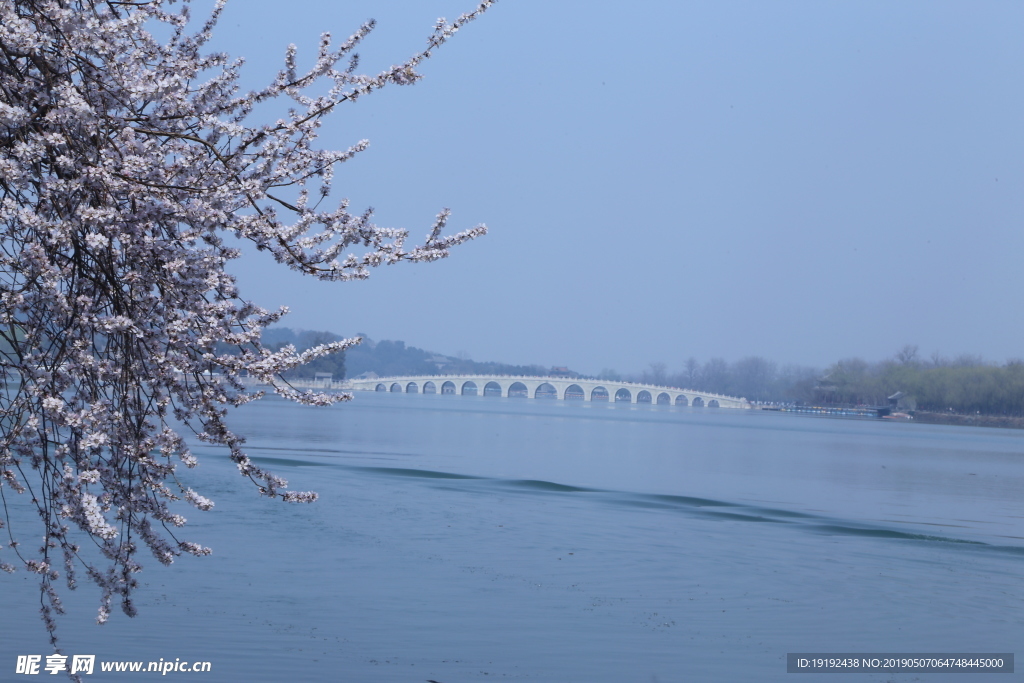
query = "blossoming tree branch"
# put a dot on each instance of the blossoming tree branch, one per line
(128, 163)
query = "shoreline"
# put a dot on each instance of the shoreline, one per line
(1002, 421)
(920, 417)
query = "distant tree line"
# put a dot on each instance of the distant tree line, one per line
(754, 378)
(965, 384)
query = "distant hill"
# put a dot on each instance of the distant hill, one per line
(387, 358)
(276, 337)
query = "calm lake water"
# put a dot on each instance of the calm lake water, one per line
(474, 539)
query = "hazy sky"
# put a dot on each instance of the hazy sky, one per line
(804, 181)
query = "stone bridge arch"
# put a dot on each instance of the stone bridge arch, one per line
(562, 388)
(545, 390)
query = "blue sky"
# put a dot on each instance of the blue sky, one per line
(804, 181)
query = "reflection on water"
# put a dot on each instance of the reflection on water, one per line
(467, 538)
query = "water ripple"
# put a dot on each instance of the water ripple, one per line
(705, 508)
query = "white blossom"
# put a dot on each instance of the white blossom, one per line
(97, 524)
(128, 167)
(199, 501)
(96, 241)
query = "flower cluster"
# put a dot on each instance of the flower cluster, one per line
(126, 160)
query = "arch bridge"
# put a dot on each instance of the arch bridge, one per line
(546, 387)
